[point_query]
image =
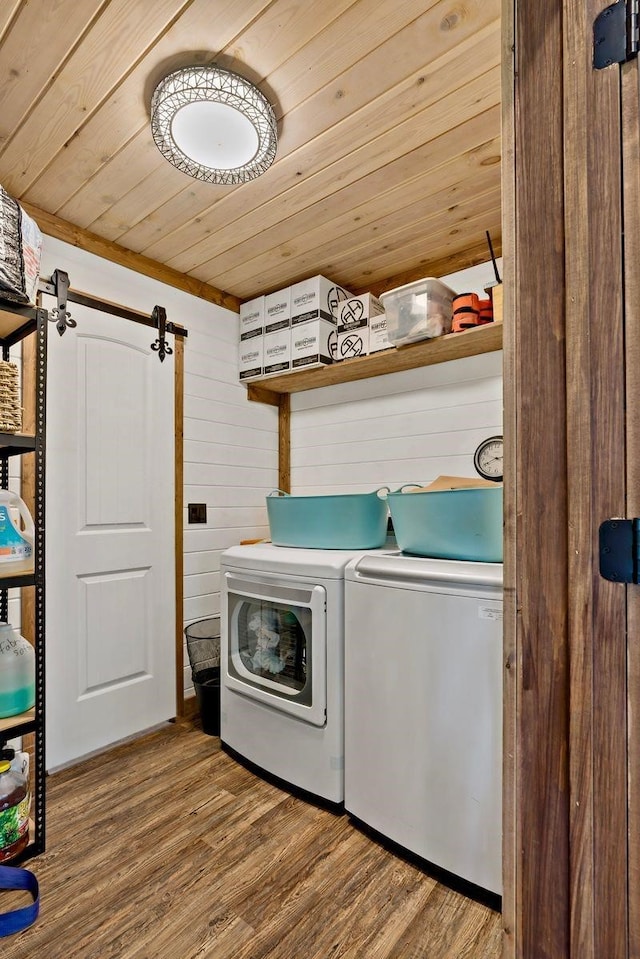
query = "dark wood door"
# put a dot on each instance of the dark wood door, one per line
(573, 456)
(630, 125)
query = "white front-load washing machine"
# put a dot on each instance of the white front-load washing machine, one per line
(282, 663)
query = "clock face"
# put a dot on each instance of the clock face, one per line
(488, 459)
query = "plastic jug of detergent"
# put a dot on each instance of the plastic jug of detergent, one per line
(16, 545)
(17, 672)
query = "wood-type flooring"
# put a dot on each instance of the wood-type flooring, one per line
(166, 848)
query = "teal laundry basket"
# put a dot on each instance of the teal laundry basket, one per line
(462, 524)
(341, 521)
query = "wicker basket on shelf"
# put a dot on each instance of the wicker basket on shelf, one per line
(10, 408)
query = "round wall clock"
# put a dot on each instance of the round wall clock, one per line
(488, 459)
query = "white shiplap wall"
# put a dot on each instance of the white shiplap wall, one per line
(402, 428)
(230, 460)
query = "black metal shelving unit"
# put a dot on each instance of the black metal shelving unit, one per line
(17, 322)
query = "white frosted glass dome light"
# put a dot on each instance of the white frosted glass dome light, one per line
(214, 135)
(213, 125)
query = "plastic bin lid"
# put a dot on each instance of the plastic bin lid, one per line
(417, 285)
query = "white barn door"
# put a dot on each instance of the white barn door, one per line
(110, 604)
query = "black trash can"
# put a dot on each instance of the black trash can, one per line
(203, 648)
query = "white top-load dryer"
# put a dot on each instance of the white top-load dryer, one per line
(423, 708)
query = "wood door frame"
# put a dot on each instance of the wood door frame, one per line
(565, 775)
(178, 349)
(536, 651)
(511, 897)
(596, 464)
(631, 193)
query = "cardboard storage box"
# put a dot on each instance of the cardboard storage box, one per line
(313, 343)
(495, 292)
(252, 318)
(250, 358)
(316, 299)
(277, 352)
(277, 310)
(362, 327)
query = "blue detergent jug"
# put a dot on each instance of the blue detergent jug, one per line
(16, 544)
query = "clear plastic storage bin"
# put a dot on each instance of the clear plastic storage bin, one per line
(418, 311)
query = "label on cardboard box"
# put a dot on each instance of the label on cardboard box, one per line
(378, 338)
(316, 298)
(357, 311)
(362, 327)
(353, 343)
(252, 318)
(277, 352)
(277, 310)
(250, 355)
(313, 343)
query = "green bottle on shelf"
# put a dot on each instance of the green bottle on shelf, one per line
(14, 811)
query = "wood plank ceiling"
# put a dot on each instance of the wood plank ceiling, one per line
(388, 163)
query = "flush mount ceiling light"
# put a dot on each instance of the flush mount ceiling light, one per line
(213, 125)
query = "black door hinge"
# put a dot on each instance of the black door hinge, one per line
(615, 34)
(620, 550)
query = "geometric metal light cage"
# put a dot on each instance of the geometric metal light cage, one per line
(196, 110)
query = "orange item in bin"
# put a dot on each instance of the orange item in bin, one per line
(466, 312)
(466, 302)
(470, 311)
(486, 311)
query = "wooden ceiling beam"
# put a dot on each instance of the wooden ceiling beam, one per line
(76, 236)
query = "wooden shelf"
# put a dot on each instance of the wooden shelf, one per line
(14, 444)
(17, 722)
(19, 578)
(17, 321)
(453, 346)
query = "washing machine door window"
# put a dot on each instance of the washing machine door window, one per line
(276, 646)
